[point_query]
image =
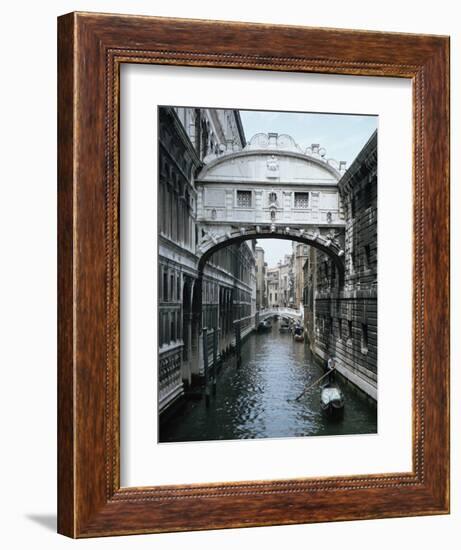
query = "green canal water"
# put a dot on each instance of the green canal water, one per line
(256, 399)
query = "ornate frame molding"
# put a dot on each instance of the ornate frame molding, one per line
(91, 49)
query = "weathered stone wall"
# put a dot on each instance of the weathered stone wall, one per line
(345, 319)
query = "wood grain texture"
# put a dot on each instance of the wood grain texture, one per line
(65, 277)
(91, 49)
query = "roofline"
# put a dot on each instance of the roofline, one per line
(269, 152)
(354, 168)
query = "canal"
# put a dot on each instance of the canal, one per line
(256, 400)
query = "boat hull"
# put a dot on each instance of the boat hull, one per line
(332, 411)
(332, 401)
(264, 327)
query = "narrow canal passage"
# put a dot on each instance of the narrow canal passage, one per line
(256, 399)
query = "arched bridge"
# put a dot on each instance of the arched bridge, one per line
(328, 240)
(285, 312)
(271, 189)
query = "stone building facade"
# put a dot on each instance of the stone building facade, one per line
(261, 279)
(300, 252)
(273, 287)
(225, 289)
(280, 288)
(341, 321)
(286, 297)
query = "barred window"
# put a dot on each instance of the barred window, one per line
(301, 200)
(244, 199)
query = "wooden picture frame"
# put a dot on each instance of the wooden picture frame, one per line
(91, 49)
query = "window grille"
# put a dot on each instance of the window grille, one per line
(244, 199)
(301, 200)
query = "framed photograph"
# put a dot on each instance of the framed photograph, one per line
(253, 259)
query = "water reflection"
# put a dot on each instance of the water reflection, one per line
(257, 399)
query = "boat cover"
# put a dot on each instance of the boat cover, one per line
(330, 394)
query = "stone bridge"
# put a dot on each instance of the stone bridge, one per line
(270, 189)
(286, 313)
(329, 241)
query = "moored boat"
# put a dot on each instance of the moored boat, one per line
(264, 326)
(284, 327)
(298, 333)
(332, 400)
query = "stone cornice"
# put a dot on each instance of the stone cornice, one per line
(268, 153)
(366, 160)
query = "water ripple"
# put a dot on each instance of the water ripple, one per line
(256, 400)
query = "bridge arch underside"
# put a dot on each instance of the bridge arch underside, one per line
(323, 243)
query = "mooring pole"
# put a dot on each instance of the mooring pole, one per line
(205, 364)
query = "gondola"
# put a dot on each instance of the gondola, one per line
(298, 333)
(332, 401)
(264, 326)
(284, 327)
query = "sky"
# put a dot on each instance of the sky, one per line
(343, 137)
(275, 250)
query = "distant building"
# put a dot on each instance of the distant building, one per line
(280, 283)
(273, 287)
(300, 253)
(309, 295)
(261, 300)
(286, 298)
